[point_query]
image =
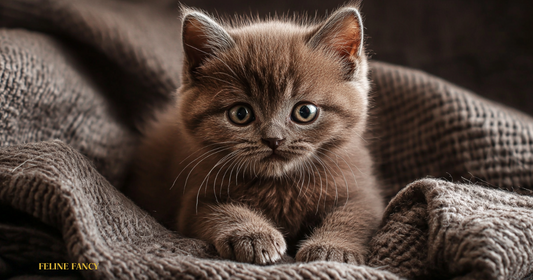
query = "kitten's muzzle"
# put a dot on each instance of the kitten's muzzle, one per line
(273, 143)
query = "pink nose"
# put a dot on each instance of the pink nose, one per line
(273, 143)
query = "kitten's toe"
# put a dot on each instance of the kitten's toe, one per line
(260, 247)
(329, 252)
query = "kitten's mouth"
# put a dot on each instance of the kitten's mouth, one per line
(275, 157)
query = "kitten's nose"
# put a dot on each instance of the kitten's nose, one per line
(273, 143)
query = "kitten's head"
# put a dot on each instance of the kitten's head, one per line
(275, 93)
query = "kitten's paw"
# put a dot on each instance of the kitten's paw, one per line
(259, 246)
(330, 251)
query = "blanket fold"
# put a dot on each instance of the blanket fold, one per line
(80, 78)
(435, 227)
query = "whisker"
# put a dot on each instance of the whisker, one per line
(300, 173)
(351, 170)
(320, 196)
(245, 168)
(209, 174)
(238, 170)
(233, 161)
(303, 173)
(343, 149)
(344, 177)
(325, 173)
(255, 174)
(328, 170)
(253, 153)
(231, 172)
(229, 156)
(312, 166)
(361, 137)
(184, 168)
(308, 171)
(349, 165)
(226, 142)
(188, 175)
(200, 188)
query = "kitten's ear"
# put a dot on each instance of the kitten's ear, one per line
(342, 33)
(202, 37)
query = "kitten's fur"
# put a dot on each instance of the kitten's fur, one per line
(206, 177)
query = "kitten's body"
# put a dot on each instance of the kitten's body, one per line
(209, 178)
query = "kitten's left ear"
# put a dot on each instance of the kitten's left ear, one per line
(202, 38)
(343, 34)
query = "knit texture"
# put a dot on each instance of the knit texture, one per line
(83, 74)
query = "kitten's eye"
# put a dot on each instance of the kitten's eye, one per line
(241, 114)
(304, 113)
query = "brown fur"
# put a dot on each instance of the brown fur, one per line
(206, 177)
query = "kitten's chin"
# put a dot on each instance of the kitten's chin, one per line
(276, 166)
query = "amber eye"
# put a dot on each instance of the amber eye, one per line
(241, 114)
(304, 113)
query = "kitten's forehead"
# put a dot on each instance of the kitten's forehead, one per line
(268, 60)
(271, 54)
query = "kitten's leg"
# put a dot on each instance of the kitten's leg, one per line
(343, 235)
(240, 233)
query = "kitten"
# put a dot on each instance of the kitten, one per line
(263, 152)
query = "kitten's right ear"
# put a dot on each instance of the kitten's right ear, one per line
(202, 37)
(343, 34)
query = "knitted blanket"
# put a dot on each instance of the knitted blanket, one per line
(76, 77)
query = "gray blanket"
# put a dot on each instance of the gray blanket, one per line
(76, 77)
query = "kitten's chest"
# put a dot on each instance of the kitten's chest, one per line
(292, 209)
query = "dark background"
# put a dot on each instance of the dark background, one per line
(484, 46)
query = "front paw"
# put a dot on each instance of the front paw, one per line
(330, 250)
(252, 245)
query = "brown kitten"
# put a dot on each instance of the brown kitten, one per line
(264, 146)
